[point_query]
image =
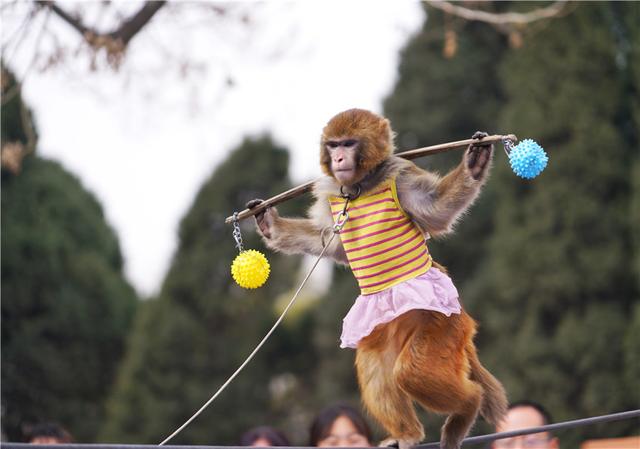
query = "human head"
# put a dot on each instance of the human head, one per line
(48, 433)
(339, 425)
(263, 436)
(522, 415)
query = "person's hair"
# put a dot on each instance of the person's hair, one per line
(273, 436)
(49, 430)
(546, 416)
(321, 425)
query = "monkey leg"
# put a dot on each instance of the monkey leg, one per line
(458, 424)
(382, 397)
(433, 369)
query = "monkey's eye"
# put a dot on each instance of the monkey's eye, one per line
(350, 143)
(333, 144)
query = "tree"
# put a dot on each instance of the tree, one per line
(439, 99)
(18, 135)
(66, 306)
(200, 328)
(103, 32)
(155, 41)
(549, 266)
(562, 252)
(335, 377)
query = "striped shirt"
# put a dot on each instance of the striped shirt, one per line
(383, 245)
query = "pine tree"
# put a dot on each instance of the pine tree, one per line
(201, 327)
(549, 267)
(443, 96)
(66, 306)
(562, 253)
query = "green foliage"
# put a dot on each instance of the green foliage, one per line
(335, 377)
(65, 304)
(562, 252)
(435, 98)
(191, 338)
(438, 99)
(631, 349)
(550, 267)
(628, 55)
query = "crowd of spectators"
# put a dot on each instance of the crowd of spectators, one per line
(338, 425)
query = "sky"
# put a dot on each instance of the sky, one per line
(144, 138)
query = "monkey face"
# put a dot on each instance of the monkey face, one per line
(354, 142)
(343, 156)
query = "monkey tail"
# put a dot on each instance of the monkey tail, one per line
(494, 399)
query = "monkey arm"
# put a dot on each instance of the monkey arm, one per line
(299, 235)
(435, 203)
(294, 236)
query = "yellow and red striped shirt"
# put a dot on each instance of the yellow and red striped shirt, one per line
(383, 245)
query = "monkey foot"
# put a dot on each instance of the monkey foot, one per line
(446, 444)
(398, 443)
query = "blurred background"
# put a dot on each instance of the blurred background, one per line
(130, 130)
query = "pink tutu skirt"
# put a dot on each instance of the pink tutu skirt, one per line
(432, 290)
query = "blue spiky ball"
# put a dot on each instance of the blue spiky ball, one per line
(528, 159)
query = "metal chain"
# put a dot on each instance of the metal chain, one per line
(237, 235)
(507, 144)
(341, 219)
(343, 216)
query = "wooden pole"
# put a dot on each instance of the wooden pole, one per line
(411, 154)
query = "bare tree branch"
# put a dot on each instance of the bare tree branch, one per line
(101, 34)
(125, 32)
(19, 33)
(75, 23)
(556, 9)
(116, 41)
(8, 96)
(130, 27)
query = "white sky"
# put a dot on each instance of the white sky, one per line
(144, 139)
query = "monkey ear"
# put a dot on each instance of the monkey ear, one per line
(377, 145)
(386, 133)
(325, 159)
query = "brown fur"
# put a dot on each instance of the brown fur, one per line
(420, 356)
(430, 358)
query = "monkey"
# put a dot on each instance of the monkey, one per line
(413, 340)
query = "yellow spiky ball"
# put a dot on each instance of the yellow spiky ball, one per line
(250, 269)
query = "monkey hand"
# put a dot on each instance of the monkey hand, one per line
(264, 218)
(478, 156)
